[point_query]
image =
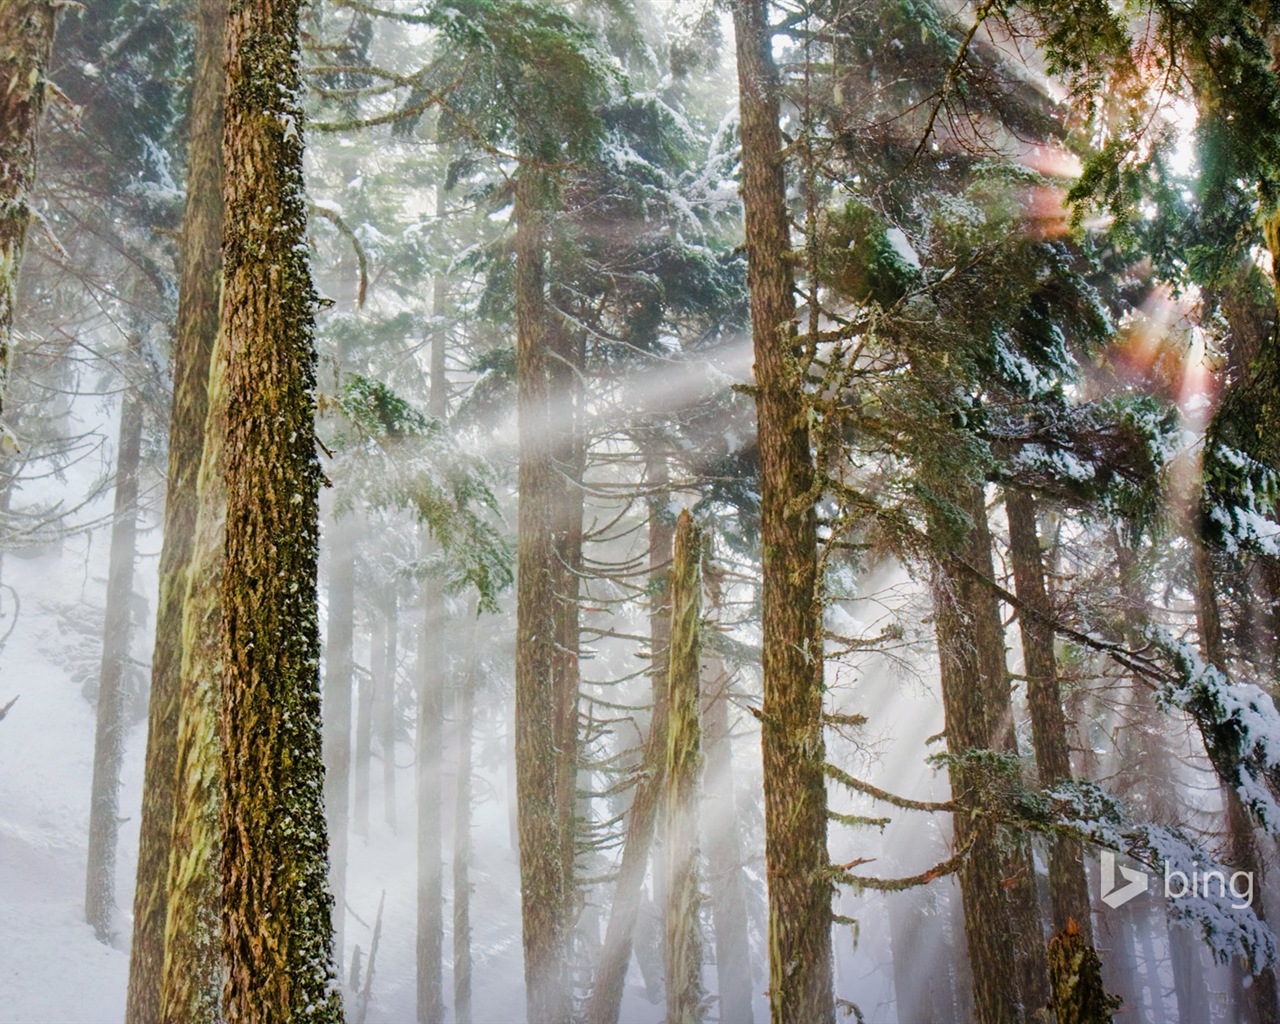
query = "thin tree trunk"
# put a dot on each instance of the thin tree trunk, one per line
(108, 746)
(26, 41)
(795, 795)
(339, 670)
(1068, 886)
(386, 683)
(467, 681)
(682, 960)
(430, 740)
(365, 696)
(430, 733)
(277, 927)
(723, 841)
(199, 288)
(545, 889)
(1029, 943)
(605, 1001)
(958, 600)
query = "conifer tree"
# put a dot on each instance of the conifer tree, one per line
(277, 931)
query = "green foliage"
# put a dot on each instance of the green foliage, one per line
(401, 458)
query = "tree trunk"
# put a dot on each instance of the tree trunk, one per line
(1019, 866)
(108, 746)
(467, 681)
(605, 1001)
(277, 928)
(545, 889)
(724, 842)
(26, 40)
(795, 794)
(199, 288)
(971, 727)
(430, 740)
(682, 959)
(430, 735)
(1076, 974)
(568, 454)
(339, 670)
(1261, 1004)
(365, 684)
(387, 707)
(1068, 886)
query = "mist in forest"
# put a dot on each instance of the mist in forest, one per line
(618, 511)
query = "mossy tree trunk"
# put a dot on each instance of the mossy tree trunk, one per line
(26, 41)
(1076, 975)
(194, 971)
(795, 795)
(682, 959)
(199, 289)
(277, 926)
(545, 889)
(1068, 885)
(108, 744)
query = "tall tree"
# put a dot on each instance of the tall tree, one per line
(277, 929)
(796, 857)
(199, 288)
(108, 745)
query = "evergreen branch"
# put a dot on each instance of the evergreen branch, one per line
(345, 230)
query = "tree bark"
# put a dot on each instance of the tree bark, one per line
(682, 951)
(339, 671)
(1076, 973)
(26, 41)
(199, 288)
(545, 889)
(796, 857)
(971, 727)
(277, 926)
(108, 746)
(193, 972)
(1068, 886)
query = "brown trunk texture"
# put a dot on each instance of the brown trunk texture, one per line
(972, 726)
(277, 928)
(199, 288)
(682, 959)
(108, 744)
(1068, 886)
(795, 794)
